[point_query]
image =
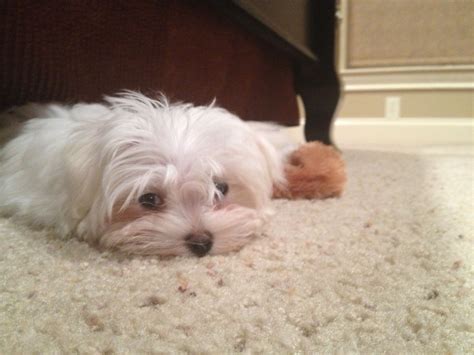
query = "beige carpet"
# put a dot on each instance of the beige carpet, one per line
(387, 268)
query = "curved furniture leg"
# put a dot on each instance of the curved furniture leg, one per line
(317, 82)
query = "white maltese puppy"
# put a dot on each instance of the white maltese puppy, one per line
(141, 176)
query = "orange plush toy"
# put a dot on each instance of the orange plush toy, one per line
(314, 170)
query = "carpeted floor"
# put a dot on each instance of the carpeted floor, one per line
(386, 268)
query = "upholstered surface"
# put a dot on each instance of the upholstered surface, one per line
(81, 50)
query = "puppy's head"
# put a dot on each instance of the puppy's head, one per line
(178, 180)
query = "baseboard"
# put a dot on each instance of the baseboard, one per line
(403, 132)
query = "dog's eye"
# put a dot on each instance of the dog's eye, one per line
(150, 201)
(222, 187)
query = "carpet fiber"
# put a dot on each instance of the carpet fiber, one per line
(386, 268)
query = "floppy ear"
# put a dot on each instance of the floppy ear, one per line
(314, 170)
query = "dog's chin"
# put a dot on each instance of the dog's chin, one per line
(231, 228)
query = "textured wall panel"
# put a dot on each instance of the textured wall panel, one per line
(410, 32)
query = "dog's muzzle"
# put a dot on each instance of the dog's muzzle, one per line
(199, 243)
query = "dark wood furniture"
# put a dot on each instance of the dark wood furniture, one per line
(305, 30)
(192, 50)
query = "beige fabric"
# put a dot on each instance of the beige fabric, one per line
(388, 268)
(410, 32)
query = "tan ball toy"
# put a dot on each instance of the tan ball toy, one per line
(313, 171)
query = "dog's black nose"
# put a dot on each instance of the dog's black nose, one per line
(199, 243)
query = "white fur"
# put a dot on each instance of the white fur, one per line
(81, 169)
